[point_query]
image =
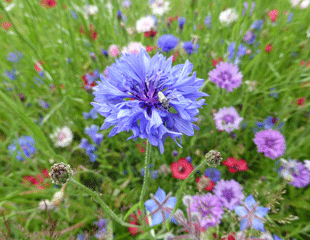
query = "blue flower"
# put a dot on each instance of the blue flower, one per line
(154, 174)
(84, 143)
(251, 215)
(213, 174)
(182, 21)
(150, 97)
(73, 14)
(22, 147)
(275, 237)
(104, 52)
(44, 104)
(257, 24)
(91, 114)
(160, 206)
(11, 74)
(167, 42)
(207, 21)
(102, 225)
(274, 93)
(189, 47)
(290, 17)
(13, 57)
(240, 53)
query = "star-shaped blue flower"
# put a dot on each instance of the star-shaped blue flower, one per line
(251, 215)
(160, 206)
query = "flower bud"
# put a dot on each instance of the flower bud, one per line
(213, 158)
(60, 173)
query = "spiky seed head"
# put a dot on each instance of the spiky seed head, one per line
(60, 173)
(213, 158)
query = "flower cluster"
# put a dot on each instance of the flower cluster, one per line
(23, 147)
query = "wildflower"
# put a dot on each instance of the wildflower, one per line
(113, 50)
(104, 52)
(227, 119)
(307, 164)
(91, 114)
(245, 7)
(62, 137)
(240, 52)
(182, 21)
(92, 132)
(38, 180)
(273, 15)
(90, 10)
(213, 158)
(189, 47)
(13, 57)
(228, 16)
(249, 37)
(133, 48)
(274, 93)
(251, 214)
(270, 142)
(102, 228)
(181, 169)
(208, 208)
(46, 205)
(167, 42)
(301, 101)
(23, 147)
(213, 174)
(145, 24)
(160, 206)
(155, 87)
(257, 25)
(164, 169)
(301, 3)
(215, 62)
(296, 172)
(154, 174)
(141, 149)
(159, 7)
(151, 33)
(268, 48)
(207, 21)
(11, 74)
(126, 3)
(226, 75)
(235, 165)
(229, 193)
(175, 153)
(43, 103)
(204, 183)
(134, 221)
(48, 3)
(60, 173)
(89, 80)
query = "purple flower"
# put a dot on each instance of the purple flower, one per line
(84, 143)
(257, 24)
(249, 37)
(102, 227)
(226, 75)
(92, 132)
(251, 214)
(213, 174)
(160, 207)
(301, 177)
(240, 53)
(209, 209)
(175, 153)
(126, 3)
(22, 147)
(227, 119)
(290, 17)
(73, 14)
(274, 93)
(270, 142)
(182, 21)
(245, 7)
(44, 104)
(167, 42)
(229, 193)
(13, 57)
(11, 74)
(150, 97)
(207, 21)
(91, 114)
(276, 237)
(189, 47)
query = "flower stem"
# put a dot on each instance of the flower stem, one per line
(105, 207)
(146, 173)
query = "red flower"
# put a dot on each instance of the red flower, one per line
(273, 15)
(38, 180)
(175, 56)
(141, 149)
(134, 221)
(38, 66)
(301, 101)
(234, 165)
(86, 84)
(150, 33)
(92, 31)
(181, 169)
(231, 236)
(48, 3)
(215, 62)
(210, 186)
(150, 48)
(268, 48)
(6, 25)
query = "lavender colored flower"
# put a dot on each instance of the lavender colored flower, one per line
(84, 143)
(175, 153)
(14, 57)
(160, 207)
(251, 215)
(167, 42)
(276, 237)
(73, 14)
(227, 119)
(102, 228)
(44, 104)
(270, 142)
(104, 52)
(229, 193)
(154, 174)
(290, 17)
(240, 52)
(301, 176)
(226, 75)
(213, 174)
(23, 147)
(189, 159)
(11, 74)
(182, 21)
(189, 47)
(126, 3)
(91, 114)
(154, 88)
(257, 24)
(245, 7)
(209, 209)
(249, 37)
(207, 21)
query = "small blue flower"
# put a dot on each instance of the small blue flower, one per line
(104, 52)
(91, 114)
(73, 14)
(167, 42)
(14, 57)
(84, 143)
(44, 104)
(154, 174)
(251, 215)
(213, 174)
(189, 159)
(290, 17)
(92, 130)
(22, 147)
(275, 237)
(182, 21)
(175, 153)
(189, 47)
(90, 149)
(257, 24)
(274, 93)
(160, 207)
(11, 74)
(102, 225)
(207, 21)
(81, 237)
(240, 53)
(93, 157)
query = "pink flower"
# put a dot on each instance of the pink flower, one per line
(113, 50)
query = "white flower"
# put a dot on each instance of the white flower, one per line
(133, 48)
(302, 4)
(90, 9)
(266, 236)
(58, 196)
(145, 24)
(307, 164)
(62, 137)
(159, 7)
(228, 16)
(46, 204)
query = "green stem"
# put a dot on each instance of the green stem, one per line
(146, 173)
(105, 207)
(180, 191)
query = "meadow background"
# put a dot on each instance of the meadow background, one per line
(42, 89)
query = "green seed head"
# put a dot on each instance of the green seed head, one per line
(61, 173)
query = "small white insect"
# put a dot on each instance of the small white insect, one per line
(163, 100)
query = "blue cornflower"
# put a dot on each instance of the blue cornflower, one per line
(175, 153)
(290, 17)
(245, 7)
(90, 149)
(22, 147)
(154, 174)
(160, 207)
(104, 52)
(14, 57)
(189, 159)
(38, 81)
(141, 91)
(84, 143)
(11, 74)
(102, 225)
(81, 237)
(73, 14)
(182, 21)
(92, 132)
(240, 53)
(91, 114)
(207, 21)
(249, 37)
(273, 94)
(213, 174)
(44, 104)
(119, 15)
(93, 157)
(189, 47)
(167, 42)
(251, 215)
(257, 24)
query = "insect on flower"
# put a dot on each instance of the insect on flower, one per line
(163, 100)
